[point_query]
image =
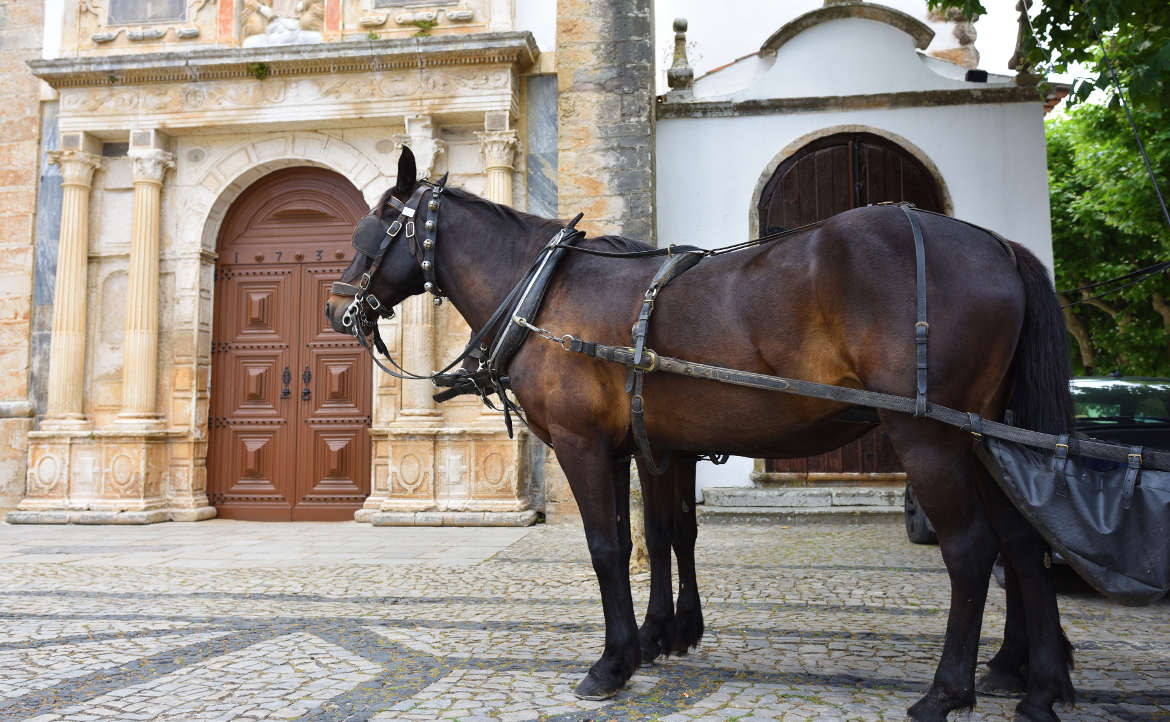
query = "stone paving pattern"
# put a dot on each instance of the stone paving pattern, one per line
(231, 620)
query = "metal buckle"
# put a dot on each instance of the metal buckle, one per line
(1137, 463)
(408, 212)
(1063, 446)
(649, 363)
(394, 228)
(373, 302)
(366, 280)
(410, 229)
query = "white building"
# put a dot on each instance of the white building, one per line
(840, 107)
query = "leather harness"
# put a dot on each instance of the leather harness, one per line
(373, 237)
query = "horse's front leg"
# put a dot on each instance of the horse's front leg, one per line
(688, 616)
(601, 486)
(656, 636)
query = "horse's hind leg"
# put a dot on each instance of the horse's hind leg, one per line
(943, 467)
(1049, 654)
(656, 636)
(1007, 670)
(688, 615)
(670, 522)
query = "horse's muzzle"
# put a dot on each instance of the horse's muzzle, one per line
(334, 310)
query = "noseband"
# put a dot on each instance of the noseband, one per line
(373, 237)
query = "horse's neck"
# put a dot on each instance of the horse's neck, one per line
(484, 256)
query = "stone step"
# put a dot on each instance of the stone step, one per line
(787, 503)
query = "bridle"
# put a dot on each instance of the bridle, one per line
(373, 237)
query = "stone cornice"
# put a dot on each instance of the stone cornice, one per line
(669, 108)
(517, 48)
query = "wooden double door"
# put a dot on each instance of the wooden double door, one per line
(829, 176)
(290, 397)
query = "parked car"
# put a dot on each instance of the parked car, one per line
(1130, 410)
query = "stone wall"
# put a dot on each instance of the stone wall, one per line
(605, 146)
(20, 39)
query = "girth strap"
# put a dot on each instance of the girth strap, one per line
(673, 267)
(921, 327)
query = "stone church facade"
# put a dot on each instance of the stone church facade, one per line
(211, 158)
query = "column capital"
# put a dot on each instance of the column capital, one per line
(499, 148)
(77, 166)
(150, 164)
(423, 138)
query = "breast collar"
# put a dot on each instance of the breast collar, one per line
(373, 237)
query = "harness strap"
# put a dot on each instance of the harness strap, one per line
(921, 326)
(673, 267)
(1135, 458)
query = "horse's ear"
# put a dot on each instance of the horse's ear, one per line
(443, 181)
(406, 172)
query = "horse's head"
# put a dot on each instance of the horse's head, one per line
(370, 286)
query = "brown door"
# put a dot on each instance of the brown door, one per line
(290, 398)
(825, 177)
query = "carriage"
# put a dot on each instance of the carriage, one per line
(763, 349)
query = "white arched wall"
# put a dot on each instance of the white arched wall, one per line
(989, 158)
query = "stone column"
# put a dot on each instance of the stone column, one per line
(499, 150)
(67, 347)
(418, 355)
(418, 312)
(140, 350)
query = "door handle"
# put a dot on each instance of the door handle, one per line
(307, 376)
(286, 378)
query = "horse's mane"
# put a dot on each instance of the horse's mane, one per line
(528, 220)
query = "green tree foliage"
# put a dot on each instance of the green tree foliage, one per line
(1137, 35)
(1106, 222)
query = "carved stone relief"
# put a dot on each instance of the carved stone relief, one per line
(265, 23)
(317, 93)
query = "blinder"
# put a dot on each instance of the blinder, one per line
(372, 237)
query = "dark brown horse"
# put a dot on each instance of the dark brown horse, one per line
(834, 304)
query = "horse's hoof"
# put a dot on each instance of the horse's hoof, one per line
(1001, 684)
(1033, 713)
(591, 689)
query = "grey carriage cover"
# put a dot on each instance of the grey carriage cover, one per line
(1079, 507)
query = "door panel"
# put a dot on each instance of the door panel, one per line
(249, 419)
(290, 397)
(826, 177)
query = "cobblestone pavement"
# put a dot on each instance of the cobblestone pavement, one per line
(231, 620)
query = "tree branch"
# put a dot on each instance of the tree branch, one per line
(1159, 304)
(1080, 334)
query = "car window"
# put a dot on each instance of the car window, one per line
(1107, 400)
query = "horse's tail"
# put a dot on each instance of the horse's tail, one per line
(1040, 398)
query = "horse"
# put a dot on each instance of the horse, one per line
(833, 303)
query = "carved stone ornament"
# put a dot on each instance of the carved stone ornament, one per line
(499, 148)
(77, 166)
(422, 137)
(151, 164)
(261, 26)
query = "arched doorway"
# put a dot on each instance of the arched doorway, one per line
(829, 175)
(290, 398)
